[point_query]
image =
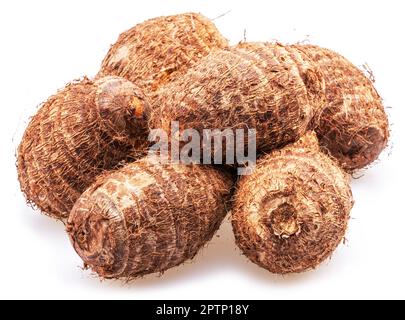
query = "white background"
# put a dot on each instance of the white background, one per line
(45, 44)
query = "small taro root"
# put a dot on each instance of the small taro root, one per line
(84, 129)
(268, 87)
(292, 212)
(147, 218)
(353, 127)
(161, 49)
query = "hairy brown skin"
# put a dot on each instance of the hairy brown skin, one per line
(353, 128)
(147, 218)
(159, 50)
(84, 129)
(292, 212)
(268, 87)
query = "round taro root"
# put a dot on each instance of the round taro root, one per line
(147, 218)
(161, 49)
(292, 212)
(268, 87)
(84, 129)
(353, 127)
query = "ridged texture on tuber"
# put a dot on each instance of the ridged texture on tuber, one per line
(78, 133)
(147, 218)
(268, 87)
(354, 126)
(292, 212)
(161, 49)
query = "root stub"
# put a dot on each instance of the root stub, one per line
(292, 212)
(283, 221)
(147, 218)
(84, 129)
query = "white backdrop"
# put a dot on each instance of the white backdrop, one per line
(45, 44)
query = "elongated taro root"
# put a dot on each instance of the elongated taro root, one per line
(147, 218)
(161, 49)
(268, 87)
(354, 126)
(78, 133)
(292, 212)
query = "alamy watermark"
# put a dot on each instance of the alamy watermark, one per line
(235, 147)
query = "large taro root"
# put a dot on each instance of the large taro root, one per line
(147, 218)
(162, 49)
(271, 88)
(292, 212)
(84, 129)
(353, 127)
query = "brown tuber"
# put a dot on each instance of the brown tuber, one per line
(161, 49)
(268, 87)
(292, 212)
(147, 218)
(353, 128)
(315, 118)
(84, 129)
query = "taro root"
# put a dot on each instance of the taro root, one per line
(84, 129)
(268, 87)
(292, 212)
(353, 127)
(161, 49)
(147, 218)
